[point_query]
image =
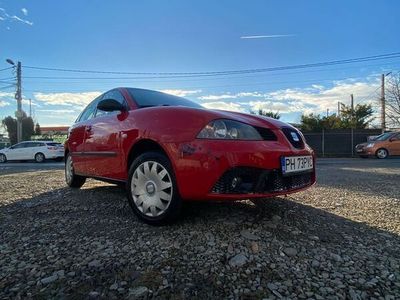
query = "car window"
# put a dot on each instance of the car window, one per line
(396, 137)
(148, 98)
(115, 95)
(18, 146)
(89, 111)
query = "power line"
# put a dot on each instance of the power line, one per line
(229, 72)
(7, 87)
(8, 68)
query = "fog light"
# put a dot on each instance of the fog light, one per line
(235, 182)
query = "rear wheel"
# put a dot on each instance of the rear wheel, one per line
(382, 153)
(71, 178)
(39, 157)
(152, 189)
(3, 158)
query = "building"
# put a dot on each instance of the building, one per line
(55, 130)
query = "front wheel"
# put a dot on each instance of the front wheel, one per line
(3, 158)
(71, 178)
(152, 190)
(382, 153)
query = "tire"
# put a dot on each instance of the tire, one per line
(3, 158)
(39, 157)
(152, 190)
(382, 153)
(72, 180)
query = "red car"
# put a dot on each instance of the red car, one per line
(166, 149)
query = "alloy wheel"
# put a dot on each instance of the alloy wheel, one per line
(381, 153)
(69, 170)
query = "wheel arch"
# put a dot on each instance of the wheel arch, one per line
(142, 146)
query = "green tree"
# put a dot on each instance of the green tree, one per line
(358, 118)
(38, 130)
(270, 114)
(10, 124)
(311, 122)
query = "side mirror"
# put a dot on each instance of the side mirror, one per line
(110, 105)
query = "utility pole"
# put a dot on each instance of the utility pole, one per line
(18, 97)
(352, 102)
(30, 108)
(383, 104)
(327, 112)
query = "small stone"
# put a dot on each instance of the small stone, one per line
(238, 260)
(313, 238)
(315, 263)
(140, 291)
(336, 257)
(71, 274)
(94, 263)
(290, 251)
(255, 248)
(49, 279)
(114, 286)
(272, 287)
(94, 295)
(248, 235)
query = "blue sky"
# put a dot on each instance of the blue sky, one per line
(197, 36)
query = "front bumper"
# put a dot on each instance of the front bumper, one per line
(205, 169)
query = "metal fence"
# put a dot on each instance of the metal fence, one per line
(338, 142)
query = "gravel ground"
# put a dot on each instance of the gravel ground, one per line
(338, 240)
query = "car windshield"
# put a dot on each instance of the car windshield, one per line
(147, 98)
(384, 136)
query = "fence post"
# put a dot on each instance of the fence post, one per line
(352, 142)
(323, 142)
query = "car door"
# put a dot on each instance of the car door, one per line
(76, 138)
(394, 146)
(103, 140)
(27, 151)
(16, 152)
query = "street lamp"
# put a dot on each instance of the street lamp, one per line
(10, 61)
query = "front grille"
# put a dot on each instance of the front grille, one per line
(246, 180)
(294, 137)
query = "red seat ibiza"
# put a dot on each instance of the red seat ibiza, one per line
(166, 149)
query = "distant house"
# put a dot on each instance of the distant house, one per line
(57, 130)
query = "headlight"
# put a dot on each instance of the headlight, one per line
(370, 145)
(229, 130)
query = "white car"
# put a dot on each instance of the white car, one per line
(37, 150)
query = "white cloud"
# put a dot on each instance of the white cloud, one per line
(313, 99)
(4, 103)
(270, 36)
(4, 16)
(224, 106)
(181, 93)
(70, 99)
(217, 97)
(24, 11)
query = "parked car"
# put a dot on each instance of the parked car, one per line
(381, 146)
(166, 149)
(29, 150)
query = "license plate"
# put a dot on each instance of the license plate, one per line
(293, 164)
